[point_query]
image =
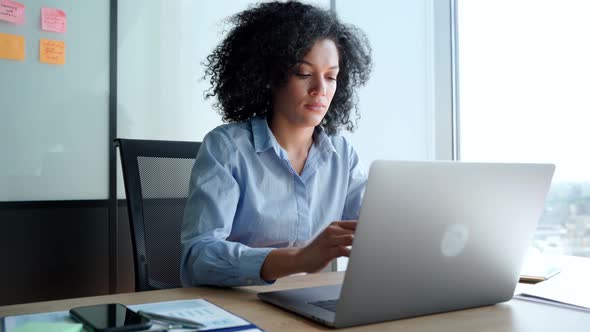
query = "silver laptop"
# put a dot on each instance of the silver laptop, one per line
(432, 237)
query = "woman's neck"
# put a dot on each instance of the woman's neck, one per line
(295, 140)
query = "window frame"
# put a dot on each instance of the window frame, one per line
(444, 83)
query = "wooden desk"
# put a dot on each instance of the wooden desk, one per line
(514, 315)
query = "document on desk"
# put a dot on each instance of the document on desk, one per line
(569, 290)
(202, 311)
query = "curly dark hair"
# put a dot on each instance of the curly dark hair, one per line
(266, 42)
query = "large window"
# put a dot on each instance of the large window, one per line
(524, 96)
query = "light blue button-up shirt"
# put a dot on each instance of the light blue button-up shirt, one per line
(245, 199)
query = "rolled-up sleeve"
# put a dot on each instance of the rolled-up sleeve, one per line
(357, 180)
(207, 257)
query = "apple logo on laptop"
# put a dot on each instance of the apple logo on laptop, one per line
(454, 240)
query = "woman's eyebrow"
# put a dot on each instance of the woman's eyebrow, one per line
(311, 64)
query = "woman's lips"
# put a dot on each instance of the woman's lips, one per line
(315, 107)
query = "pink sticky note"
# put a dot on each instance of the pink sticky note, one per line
(12, 11)
(53, 20)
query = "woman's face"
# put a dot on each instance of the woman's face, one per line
(305, 99)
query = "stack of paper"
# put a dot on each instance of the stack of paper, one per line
(570, 290)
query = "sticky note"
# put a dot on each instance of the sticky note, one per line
(12, 11)
(49, 327)
(53, 19)
(12, 47)
(52, 51)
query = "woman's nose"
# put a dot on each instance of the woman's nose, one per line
(318, 87)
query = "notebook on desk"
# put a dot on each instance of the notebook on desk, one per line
(535, 273)
(431, 237)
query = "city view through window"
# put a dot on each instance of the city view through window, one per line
(524, 82)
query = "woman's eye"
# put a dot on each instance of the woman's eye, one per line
(331, 78)
(303, 75)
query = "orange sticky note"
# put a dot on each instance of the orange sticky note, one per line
(53, 20)
(52, 51)
(12, 47)
(12, 11)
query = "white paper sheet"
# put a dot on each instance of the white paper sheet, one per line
(570, 288)
(204, 312)
(544, 301)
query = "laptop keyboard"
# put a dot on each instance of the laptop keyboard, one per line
(329, 305)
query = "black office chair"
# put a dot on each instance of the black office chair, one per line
(156, 176)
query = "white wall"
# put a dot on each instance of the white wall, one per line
(395, 119)
(161, 47)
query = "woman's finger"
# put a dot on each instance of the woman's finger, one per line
(339, 251)
(346, 224)
(336, 228)
(341, 240)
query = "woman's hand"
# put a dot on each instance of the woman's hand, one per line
(332, 243)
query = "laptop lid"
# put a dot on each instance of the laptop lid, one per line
(440, 236)
(432, 237)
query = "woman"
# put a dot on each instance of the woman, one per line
(277, 191)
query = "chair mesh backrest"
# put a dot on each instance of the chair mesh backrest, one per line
(164, 189)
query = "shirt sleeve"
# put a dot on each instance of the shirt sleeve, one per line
(207, 257)
(357, 180)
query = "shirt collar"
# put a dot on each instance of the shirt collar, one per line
(264, 138)
(322, 141)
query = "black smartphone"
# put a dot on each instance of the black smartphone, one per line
(109, 317)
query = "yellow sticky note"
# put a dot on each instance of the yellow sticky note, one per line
(49, 327)
(52, 51)
(12, 47)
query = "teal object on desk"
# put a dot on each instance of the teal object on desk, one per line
(49, 327)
